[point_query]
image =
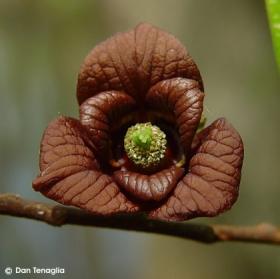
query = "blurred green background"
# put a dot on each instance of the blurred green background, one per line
(42, 45)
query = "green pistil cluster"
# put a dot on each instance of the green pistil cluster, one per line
(145, 144)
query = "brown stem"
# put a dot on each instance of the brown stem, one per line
(57, 215)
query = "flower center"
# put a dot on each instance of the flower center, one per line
(145, 144)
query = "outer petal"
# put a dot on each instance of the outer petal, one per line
(153, 187)
(212, 184)
(100, 114)
(70, 173)
(134, 61)
(183, 99)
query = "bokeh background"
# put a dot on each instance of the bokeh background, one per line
(43, 43)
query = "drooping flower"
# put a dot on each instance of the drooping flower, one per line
(136, 146)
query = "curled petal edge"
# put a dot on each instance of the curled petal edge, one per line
(70, 173)
(183, 99)
(134, 61)
(153, 187)
(100, 114)
(211, 185)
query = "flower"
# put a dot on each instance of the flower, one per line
(136, 147)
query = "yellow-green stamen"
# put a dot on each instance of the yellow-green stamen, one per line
(145, 144)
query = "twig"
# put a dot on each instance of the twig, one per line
(56, 215)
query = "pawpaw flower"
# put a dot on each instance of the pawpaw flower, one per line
(136, 146)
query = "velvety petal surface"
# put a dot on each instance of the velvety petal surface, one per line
(101, 113)
(211, 185)
(153, 187)
(70, 173)
(143, 75)
(183, 99)
(133, 62)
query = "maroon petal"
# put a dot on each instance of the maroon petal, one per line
(182, 99)
(70, 173)
(161, 56)
(212, 184)
(134, 61)
(101, 113)
(149, 187)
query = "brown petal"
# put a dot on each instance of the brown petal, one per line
(183, 99)
(212, 184)
(134, 61)
(70, 173)
(149, 187)
(101, 112)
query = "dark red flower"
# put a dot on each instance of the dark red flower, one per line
(144, 75)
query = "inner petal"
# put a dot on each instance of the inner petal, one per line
(101, 113)
(149, 188)
(184, 100)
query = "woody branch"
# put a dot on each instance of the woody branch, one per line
(57, 215)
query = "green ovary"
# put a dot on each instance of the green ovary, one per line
(145, 144)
